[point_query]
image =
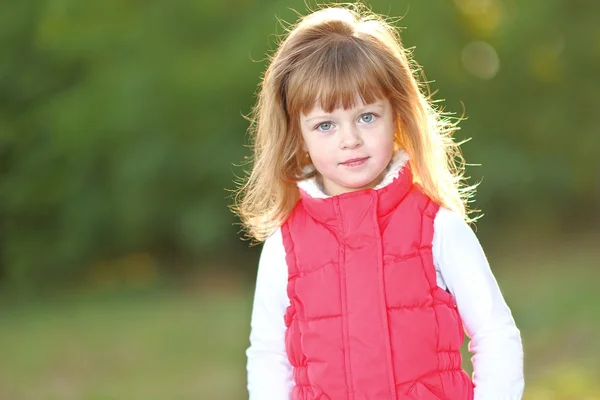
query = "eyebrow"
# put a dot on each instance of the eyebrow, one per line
(326, 116)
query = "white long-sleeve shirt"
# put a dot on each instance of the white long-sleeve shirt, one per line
(461, 267)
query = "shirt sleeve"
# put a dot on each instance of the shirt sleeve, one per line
(269, 370)
(495, 340)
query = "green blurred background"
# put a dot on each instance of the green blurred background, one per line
(122, 272)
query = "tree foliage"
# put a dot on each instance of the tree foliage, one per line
(121, 122)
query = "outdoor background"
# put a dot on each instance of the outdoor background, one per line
(122, 272)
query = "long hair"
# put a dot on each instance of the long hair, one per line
(330, 56)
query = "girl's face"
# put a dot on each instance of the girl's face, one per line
(350, 148)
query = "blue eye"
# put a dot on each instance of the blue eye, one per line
(325, 126)
(367, 117)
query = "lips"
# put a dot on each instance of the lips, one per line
(355, 161)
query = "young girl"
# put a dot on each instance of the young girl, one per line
(369, 271)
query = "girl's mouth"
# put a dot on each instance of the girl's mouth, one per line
(355, 162)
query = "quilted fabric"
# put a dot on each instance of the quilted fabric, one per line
(366, 318)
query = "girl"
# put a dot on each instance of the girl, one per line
(369, 271)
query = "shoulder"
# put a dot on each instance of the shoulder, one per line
(450, 220)
(452, 234)
(272, 258)
(273, 242)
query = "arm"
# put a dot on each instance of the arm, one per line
(495, 339)
(269, 370)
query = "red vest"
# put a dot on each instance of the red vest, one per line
(367, 320)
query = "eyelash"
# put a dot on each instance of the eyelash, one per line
(329, 122)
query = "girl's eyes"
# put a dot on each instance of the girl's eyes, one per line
(369, 117)
(326, 126)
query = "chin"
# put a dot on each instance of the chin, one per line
(360, 184)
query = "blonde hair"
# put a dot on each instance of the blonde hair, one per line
(329, 56)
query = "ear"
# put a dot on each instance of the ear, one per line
(303, 145)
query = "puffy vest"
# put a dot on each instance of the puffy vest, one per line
(366, 319)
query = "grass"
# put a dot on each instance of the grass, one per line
(163, 346)
(190, 344)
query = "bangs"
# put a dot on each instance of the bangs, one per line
(334, 75)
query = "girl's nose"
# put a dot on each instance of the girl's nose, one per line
(350, 138)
